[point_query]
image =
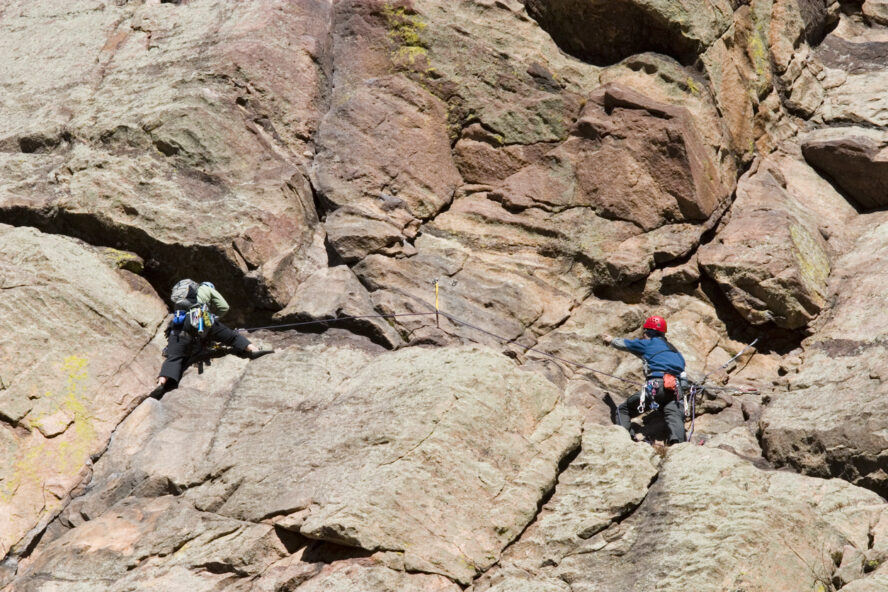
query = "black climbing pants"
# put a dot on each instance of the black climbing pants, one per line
(672, 409)
(181, 346)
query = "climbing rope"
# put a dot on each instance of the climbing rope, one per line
(696, 388)
(335, 319)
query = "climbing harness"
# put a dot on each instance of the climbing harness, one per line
(702, 386)
(649, 390)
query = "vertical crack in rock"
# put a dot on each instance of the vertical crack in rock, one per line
(565, 463)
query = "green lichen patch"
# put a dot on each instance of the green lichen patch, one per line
(65, 454)
(405, 30)
(812, 261)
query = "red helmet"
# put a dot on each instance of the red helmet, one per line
(656, 323)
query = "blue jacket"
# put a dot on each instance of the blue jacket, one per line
(659, 357)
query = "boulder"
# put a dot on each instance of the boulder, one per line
(876, 11)
(855, 159)
(629, 158)
(770, 259)
(306, 441)
(853, 58)
(335, 292)
(831, 422)
(75, 360)
(712, 521)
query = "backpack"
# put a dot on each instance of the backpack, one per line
(184, 294)
(189, 314)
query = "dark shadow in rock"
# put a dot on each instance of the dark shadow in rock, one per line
(852, 165)
(629, 293)
(608, 400)
(292, 541)
(818, 22)
(772, 339)
(165, 264)
(325, 552)
(603, 32)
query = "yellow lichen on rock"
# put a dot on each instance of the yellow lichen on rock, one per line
(812, 261)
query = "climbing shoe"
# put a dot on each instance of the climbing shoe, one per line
(157, 392)
(262, 351)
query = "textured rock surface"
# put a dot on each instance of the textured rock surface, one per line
(718, 163)
(855, 159)
(785, 532)
(770, 259)
(176, 130)
(74, 361)
(677, 29)
(831, 424)
(441, 488)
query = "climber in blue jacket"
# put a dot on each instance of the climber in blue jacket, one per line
(663, 367)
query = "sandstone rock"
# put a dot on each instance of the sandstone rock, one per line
(359, 159)
(355, 233)
(858, 53)
(565, 222)
(175, 132)
(607, 480)
(74, 361)
(140, 544)
(806, 94)
(681, 30)
(876, 11)
(786, 31)
(628, 145)
(335, 292)
(770, 259)
(384, 133)
(830, 423)
(780, 535)
(523, 93)
(316, 450)
(870, 583)
(483, 158)
(360, 577)
(855, 159)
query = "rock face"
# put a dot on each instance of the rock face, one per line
(855, 159)
(316, 425)
(75, 360)
(770, 259)
(171, 134)
(434, 210)
(786, 532)
(678, 30)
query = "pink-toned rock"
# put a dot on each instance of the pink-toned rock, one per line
(770, 259)
(74, 361)
(441, 489)
(782, 532)
(855, 159)
(177, 132)
(853, 58)
(385, 134)
(336, 292)
(832, 421)
(678, 29)
(876, 11)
